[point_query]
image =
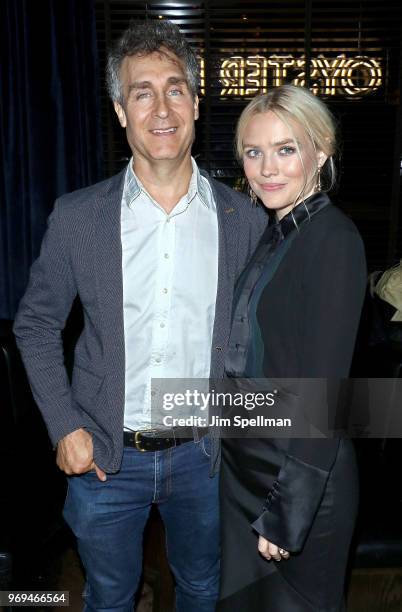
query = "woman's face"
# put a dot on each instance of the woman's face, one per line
(275, 170)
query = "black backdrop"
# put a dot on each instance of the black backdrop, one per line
(49, 124)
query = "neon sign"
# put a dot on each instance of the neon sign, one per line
(248, 76)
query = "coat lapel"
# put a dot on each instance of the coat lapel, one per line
(109, 286)
(228, 224)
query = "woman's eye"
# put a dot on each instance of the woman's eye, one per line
(252, 153)
(287, 151)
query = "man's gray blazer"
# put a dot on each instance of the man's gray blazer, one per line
(81, 254)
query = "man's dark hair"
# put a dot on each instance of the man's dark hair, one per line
(143, 38)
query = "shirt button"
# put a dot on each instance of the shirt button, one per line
(218, 348)
(153, 393)
(162, 325)
(164, 290)
(166, 255)
(168, 220)
(158, 359)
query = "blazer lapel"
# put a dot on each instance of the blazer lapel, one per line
(228, 224)
(109, 285)
(227, 264)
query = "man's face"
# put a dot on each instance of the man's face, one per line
(158, 111)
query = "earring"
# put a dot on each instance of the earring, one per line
(252, 195)
(318, 183)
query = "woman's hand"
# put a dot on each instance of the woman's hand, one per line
(271, 551)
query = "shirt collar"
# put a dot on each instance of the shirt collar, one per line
(303, 211)
(133, 186)
(299, 214)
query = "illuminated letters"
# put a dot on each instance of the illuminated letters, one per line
(249, 76)
(202, 75)
(280, 63)
(232, 76)
(368, 68)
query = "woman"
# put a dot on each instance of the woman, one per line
(289, 506)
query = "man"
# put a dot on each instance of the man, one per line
(149, 252)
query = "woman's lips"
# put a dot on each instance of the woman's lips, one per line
(272, 186)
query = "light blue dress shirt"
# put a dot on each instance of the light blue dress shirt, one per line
(170, 273)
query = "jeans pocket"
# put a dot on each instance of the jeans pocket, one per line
(205, 445)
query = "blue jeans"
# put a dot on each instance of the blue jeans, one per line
(108, 519)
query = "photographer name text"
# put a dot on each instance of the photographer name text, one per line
(216, 421)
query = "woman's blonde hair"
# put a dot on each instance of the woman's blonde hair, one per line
(297, 103)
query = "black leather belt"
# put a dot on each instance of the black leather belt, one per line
(154, 440)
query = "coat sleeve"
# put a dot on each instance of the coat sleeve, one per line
(333, 292)
(40, 319)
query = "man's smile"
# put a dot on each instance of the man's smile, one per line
(163, 131)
